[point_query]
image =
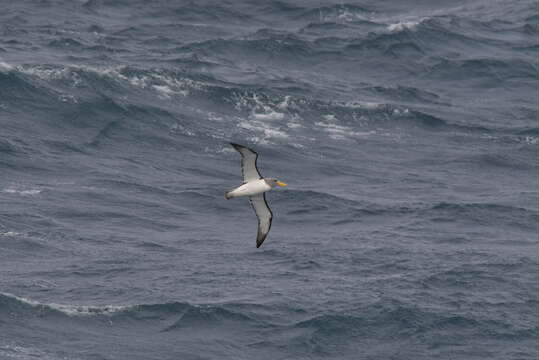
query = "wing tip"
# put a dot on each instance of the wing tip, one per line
(239, 147)
(260, 239)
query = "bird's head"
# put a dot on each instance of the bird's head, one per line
(274, 182)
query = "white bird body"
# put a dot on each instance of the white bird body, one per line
(254, 186)
(250, 188)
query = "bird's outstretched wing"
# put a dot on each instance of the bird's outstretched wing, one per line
(248, 163)
(264, 215)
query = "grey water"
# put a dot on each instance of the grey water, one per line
(408, 132)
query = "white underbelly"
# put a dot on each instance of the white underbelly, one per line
(251, 188)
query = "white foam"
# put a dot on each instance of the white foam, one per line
(4, 66)
(68, 98)
(22, 192)
(180, 129)
(363, 105)
(13, 351)
(84, 310)
(226, 149)
(258, 140)
(273, 133)
(214, 117)
(336, 132)
(266, 130)
(164, 85)
(164, 90)
(293, 125)
(404, 25)
(273, 115)
(340, 132)
(347, 16)
(285, 103)
(261, 110)
(330, 117)
(136, 81)
(71, 310)
(9, 233)
(298, 146)
(342, 15)
(42, 72)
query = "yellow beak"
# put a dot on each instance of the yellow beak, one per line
(280, 183)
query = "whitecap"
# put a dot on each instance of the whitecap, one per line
(260, 109)
(9, 233)
(165, 85)
(13, 351)
(68, 98)
(285, 103)
(330, 117)
(404, 25)
(180, 129)
(264, 128)
(363, 105)
(293, 125)
(4, 66)
(163, 90)
(268, 132)
(273, 115)
(258, 140)
(343, 15)
(340, 132)
(71, 310)
(336, 132)
(214, 117)
(530, 140)
(29, 192)
(84, 310)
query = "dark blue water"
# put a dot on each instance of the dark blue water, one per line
(408, 132)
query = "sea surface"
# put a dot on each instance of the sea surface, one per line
(408, 132)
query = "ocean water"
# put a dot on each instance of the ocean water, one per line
(408, 132)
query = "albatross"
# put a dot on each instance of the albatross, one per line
(255, 186)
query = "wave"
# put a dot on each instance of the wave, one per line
(18, 91)
(23, 192)
(336, 13)
(8, 147)
(264, 113)
(67, 44)
(194, 317)
(22, 306)
(263, 47)
(116, 78)
(407, 94)
(532, 131)
(177, 315)
(134, 102)
(381, 319)
(505, 160)
(486, 214)
(5, 67)
(344, 117)
(302, 205)
(491, 68)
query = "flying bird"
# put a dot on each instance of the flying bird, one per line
(254, 186)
